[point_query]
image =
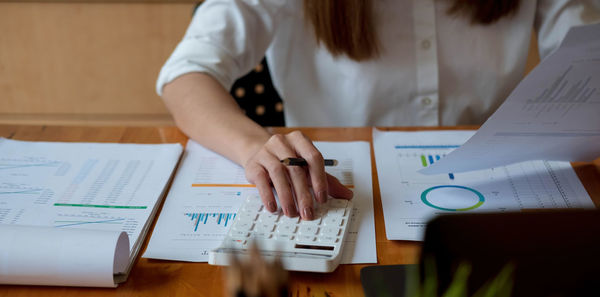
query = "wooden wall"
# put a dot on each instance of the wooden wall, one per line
(94, 63)
(90, 62)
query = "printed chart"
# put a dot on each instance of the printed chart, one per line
(410, 199)
(219, 219)
(111, 187)
(209, 189)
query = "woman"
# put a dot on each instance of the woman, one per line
(350, 63)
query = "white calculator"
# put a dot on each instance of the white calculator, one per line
(314, 246)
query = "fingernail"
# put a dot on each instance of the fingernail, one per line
(322, 196)
(308, 213)
(271, 206)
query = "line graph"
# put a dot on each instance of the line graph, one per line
(12, 189)
(31, 191)
(69, 223)
(93, 220)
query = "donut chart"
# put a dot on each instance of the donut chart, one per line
(478, 196)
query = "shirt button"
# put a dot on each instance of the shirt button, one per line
(426, 101)
(425, 44)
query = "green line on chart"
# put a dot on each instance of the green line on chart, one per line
(101, 206)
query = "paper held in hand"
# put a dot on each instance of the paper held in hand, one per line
(551, 115)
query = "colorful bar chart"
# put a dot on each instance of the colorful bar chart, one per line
(426, 158)
(432, 159)
(215, 218)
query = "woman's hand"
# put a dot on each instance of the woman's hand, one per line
(292, 183)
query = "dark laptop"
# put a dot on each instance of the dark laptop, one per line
(555, 253)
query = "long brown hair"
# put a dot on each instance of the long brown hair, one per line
(346, 27)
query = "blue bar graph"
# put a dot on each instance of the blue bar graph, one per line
(216, 218)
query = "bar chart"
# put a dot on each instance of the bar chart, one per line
(220, 219)
(424, 155)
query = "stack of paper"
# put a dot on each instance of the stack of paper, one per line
(68, 211)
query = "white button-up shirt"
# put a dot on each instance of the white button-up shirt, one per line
(433, 68)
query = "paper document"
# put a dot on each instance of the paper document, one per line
(553, 114)
(84, 204)
(411, 199)
(208, 190)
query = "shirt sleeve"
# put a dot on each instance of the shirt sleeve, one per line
(554, 18)
(225, 39)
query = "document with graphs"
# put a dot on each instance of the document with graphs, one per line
(76, 214)
(553, 114)
(411, 199)
(208, 190)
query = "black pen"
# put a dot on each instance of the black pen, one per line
(302, 162)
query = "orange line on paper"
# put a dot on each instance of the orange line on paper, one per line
(241, 185)
(225, 185)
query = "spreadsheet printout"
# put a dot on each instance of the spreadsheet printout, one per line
(410, 199)
(93, 189)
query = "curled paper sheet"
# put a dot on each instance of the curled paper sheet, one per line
(31, 255)
(551, 115)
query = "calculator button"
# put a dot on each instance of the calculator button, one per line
(337, 212)
(242, 226)
(284, 237)
(286, 229)
(240, 234)
(331, 231)
(315, 222)
(267, 217)
(288, 220)
(246, 216)
(262, 227)
(337, 203)
(328, 239)
(261, 235)
(252, 207)
(308, 230)
(305, 238)
(333, 221)
(235, 243)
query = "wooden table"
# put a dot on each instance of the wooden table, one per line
(167, 278)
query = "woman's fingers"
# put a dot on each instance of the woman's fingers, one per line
(316, 168)
(337, 189)
(279, 177)
(292, 183)
(279, 146)
(257, 175)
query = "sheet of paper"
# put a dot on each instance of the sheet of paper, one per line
(89, 186)
(551, 115)
(411, 199)
(61, 256)
(208, 190)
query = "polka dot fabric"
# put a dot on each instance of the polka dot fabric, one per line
(255, 93)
